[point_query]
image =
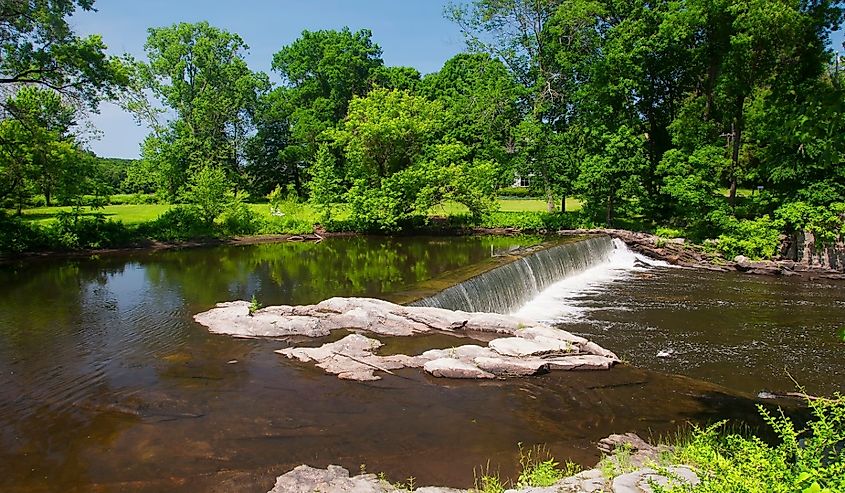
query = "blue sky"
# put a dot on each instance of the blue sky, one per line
(410, 32)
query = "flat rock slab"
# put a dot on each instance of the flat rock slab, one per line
(524, 348)
(640, 481)
(529, 348)
(455, 368)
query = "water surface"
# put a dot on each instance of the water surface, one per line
(106, 383)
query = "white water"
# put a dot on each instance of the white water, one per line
(559, 302)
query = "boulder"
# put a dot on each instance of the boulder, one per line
(455, 368)
(350, 358)
(530, 349)
(581, 362)
(333, 479)
(522, 348)
(510, 367)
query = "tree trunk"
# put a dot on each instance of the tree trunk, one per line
(563, 203)
(609, 216)
(736, 142)
(550, 200)
(47, 195)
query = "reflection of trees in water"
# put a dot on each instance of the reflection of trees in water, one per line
(298, 273)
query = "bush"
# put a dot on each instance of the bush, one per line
(756, 239)
(826, 222)
(179, 223)
(17, 235)
(73, 231)
(664, 232)
(526, 221)
(239, 219)
(517, 192)
(807, 460)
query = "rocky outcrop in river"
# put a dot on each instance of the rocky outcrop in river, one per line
(519, 347)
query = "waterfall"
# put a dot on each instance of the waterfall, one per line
(507, 288)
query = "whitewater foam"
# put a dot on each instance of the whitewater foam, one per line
(559, 302)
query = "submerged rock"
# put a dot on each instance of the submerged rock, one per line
(530, 348)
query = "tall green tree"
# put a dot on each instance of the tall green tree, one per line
(483, 102)
(38, 151)
(321, 72)
(513, 31)
(199, 72)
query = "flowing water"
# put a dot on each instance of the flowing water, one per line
(106, 383)
(511, 286)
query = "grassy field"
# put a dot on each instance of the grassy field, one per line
(134, 214)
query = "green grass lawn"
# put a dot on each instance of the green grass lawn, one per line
(509, 205)
(129, 214)
(134, 214)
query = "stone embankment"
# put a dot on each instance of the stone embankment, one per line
(637, 470)
(799, 255)
(519, 347)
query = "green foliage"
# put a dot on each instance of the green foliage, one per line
(487, 481)
(669, 232)
(804, 460)
(826, 222)
(239, 219)
(179, 223)
(325, 187)
(40, 49)
(516, 192)
(608, 180)
(72, 231)
(756, 239)
(254, 305)
(200, 73)
(540, 470)
(208, 191)
(400, 166)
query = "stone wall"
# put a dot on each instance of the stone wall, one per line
(810, 254)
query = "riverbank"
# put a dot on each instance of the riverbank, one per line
(710, 460)
(677, 251)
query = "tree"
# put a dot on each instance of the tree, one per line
(609, 179)
(321, 72)
(482, 98)
(38, 151)
(39, 48)
(400, 165)
(199, 72)
(208, 190)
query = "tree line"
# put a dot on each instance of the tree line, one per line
(652, 113)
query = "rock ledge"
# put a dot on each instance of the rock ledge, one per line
(525, 347)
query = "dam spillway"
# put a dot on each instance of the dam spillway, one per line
(508, 287)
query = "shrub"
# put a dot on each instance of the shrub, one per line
(807, 460)
(664, 232)
(208, 190)
(540, 470)
(517, 192)
(177, 224)
(239, 219)
(72, 230)
(755, 238)
(17, 235)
